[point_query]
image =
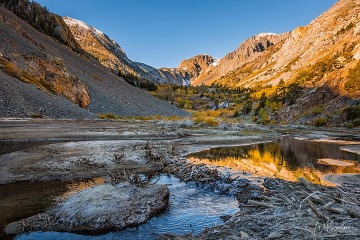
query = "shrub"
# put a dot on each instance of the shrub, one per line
(108, 116)
(317, 110)
(353, 84)
(356, 122)
(319, 122)
(37, 115)
(246, 109)
(352, 112)
(263, 116)
(236, 114)
(211, 121)
(11, 68)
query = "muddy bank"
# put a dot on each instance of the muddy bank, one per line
(88, 149)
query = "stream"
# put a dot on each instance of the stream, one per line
(191, 210)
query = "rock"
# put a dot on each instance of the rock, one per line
(274, 235)
(100, 208)
(244, 235)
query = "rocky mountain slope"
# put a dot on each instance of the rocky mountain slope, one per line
(321, 58)
(110, 54)
(322, 52)
(197, 65)
(44, 21)
(42, 76)
(249, 50)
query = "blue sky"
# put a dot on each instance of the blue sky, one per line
(161, 33)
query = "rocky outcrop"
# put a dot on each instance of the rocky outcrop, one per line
(196, 65)
(100, 208)
(44, 21)
(247, 51)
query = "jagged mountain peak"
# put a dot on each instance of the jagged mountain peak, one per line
(197, 64)
(247, 50)
(95, 42)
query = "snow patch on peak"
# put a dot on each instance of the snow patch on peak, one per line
(264, 34)
(216, 62)
(71, 21)
(97, 32)
(74, 22)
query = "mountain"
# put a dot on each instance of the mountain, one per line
(321, 53)
(110, 54)
(330, 41)
(322, 59)
(44, 21)
(196, 65)
(248, 51)
(42, 75)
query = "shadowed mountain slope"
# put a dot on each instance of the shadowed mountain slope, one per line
(40, 75)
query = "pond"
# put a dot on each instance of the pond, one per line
(288, 159)
(191, 210)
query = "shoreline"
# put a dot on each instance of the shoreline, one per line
(121, 145)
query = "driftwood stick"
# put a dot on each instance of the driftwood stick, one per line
(316, 211)
(346, 194)
(260, 204)
(316, 198)
(336, 198)
(306, 183)
(330, 208)
(353, 214)
(304, 230)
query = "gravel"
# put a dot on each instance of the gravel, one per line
(22, 100)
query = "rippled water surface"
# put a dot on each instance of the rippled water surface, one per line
(191, 210)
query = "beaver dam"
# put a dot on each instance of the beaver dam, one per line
(165, 180)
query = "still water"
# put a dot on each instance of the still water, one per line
(191, 210)
(288, 159)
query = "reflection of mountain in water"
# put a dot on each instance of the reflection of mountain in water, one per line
(289, 159)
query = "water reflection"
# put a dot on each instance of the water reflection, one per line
(288, 159)
(22, 200)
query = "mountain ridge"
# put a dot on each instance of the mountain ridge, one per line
(42, 76)
(110, 54)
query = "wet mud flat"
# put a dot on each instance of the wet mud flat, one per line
(91, 149)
